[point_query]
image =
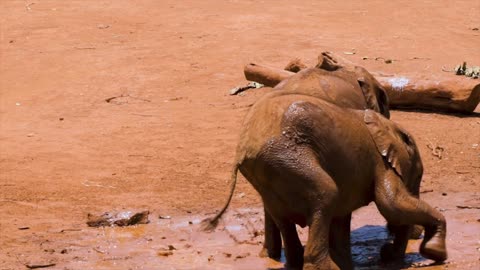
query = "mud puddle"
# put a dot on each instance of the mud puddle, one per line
(176, 242)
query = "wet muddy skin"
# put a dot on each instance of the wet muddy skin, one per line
(177, 242)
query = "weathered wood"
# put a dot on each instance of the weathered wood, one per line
(447, 93)
(267, 76)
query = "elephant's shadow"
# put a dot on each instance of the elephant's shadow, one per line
(366, 242)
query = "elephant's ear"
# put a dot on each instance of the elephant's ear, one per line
(369, 94)
(375, 96)
(395, 145)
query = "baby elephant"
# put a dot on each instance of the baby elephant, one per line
(313, 163)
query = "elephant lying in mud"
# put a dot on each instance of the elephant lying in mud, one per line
(349, 87)
(313, 163)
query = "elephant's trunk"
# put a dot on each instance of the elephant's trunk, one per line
(209, 224)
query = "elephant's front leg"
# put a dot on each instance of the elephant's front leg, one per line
(272, 246)
(340, 241)
(396, 250)
(401, 208)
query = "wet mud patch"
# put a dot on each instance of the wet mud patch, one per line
(176, 242)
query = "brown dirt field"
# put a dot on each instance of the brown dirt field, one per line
(167, 142)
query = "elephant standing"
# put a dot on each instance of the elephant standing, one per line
(313, 163)
(345, 85)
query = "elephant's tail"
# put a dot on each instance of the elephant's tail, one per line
(209, 224)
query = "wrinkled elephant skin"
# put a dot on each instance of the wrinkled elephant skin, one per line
(313, 163)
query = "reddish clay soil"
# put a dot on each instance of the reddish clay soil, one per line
(166, 143)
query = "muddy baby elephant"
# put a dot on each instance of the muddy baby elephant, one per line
(348, 87)
(313, 163)
(344, 85)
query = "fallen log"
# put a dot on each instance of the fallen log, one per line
(267, 76)
(446, 93)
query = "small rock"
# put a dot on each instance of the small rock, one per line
(164, 217)
(243, 255)
(119, 219)
(103, 26)
(444, 194)
(388, 61)
(64, 251)
(61, 118)
(228, 255)
(210, 258)
(165, 253)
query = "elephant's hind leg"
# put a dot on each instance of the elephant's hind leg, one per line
(401, 208)
(301, 192)
(340, 241)
(317, 249)
(323, 200)
(272, 247)
(293, 246)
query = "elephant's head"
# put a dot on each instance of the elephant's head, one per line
(398, 149)
(375, 96)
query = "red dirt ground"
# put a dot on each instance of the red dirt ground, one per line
(167, 142)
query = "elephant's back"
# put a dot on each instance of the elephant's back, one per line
(262, 123)
(340, 89)
(338, 136)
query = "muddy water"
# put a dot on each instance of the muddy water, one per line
(177, 243)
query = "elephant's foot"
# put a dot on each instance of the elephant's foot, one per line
(294, 258)
(274, 254)
(325, 266)
(263, 253)
(433, 246)
(290, 266)
(342, 260)
(389, 253)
